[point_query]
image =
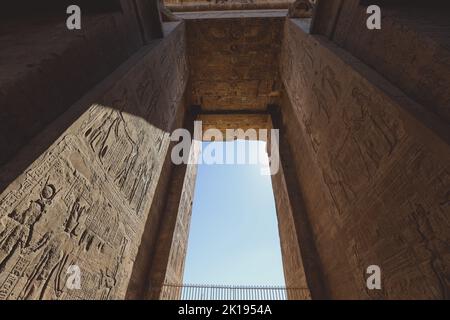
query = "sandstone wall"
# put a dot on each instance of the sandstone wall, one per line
(374, 176)
(179, 236)
(46, 68)
(234, 61)
(85, 200)
(412, 49)
(164, 261)
(206, 5)
(294, 272)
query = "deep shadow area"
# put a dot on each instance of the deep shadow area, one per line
(30, 102)
(26, 8)
(46, 68)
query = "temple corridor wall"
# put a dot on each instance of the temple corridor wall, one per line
(179, 206)
(373, 176)
(294, 272)
(87, 181)
(46, 69)
(85, 200)
(234, 61)
(412, 49)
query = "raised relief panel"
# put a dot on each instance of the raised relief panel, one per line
(59, 214)
(84, 202)
(99, 223)
(385, 173)
(234, 62)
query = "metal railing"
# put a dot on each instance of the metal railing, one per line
(189, 6)
(227, 292)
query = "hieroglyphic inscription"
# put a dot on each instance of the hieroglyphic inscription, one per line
(374, 186)
(85, 201)
(60, 223)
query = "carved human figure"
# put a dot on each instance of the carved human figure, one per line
(18, 233)
(73, 221)
(107, 282)
(50, 263)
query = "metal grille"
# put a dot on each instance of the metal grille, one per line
(224, 292)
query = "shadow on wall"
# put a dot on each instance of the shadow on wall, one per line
(90, 180)
(150, 85)
(20, 8)
(46, 69)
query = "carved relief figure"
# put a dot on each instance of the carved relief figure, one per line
(111, 141)
(118, 152)
(330, 83)
(435, 246)
(73, 220)
(18, 233)
(50, 264)
(107, 283)
(322, 104)
(375, 132)
(82, 200)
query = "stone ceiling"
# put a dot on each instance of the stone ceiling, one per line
(234, 60)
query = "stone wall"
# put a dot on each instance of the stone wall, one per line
(412, 49)
(374, 178)
(206, 5)
(46, 68)
(165, 264)
(84, 201)
(294, 272)
(234, 61)
(364, 176)
(179, 237)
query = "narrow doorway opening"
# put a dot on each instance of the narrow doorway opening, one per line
(234, 244)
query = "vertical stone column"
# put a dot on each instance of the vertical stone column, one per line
(167, 264)
(301, 263)
(80, 207)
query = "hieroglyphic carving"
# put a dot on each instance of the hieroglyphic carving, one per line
(371, 169)
(376, 129)
(330, 83)
(68, 216)
(368, 132)
(234, 62)
(85, 201)
(17, 233)
(178, 246)
(117, 151)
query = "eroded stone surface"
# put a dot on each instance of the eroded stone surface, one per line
(45, 68)
(86, 199)
(374, 179)
(239, 126)
(412, 49)
(367, 181)
(234, 62)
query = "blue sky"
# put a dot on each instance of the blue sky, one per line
(234, 233)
